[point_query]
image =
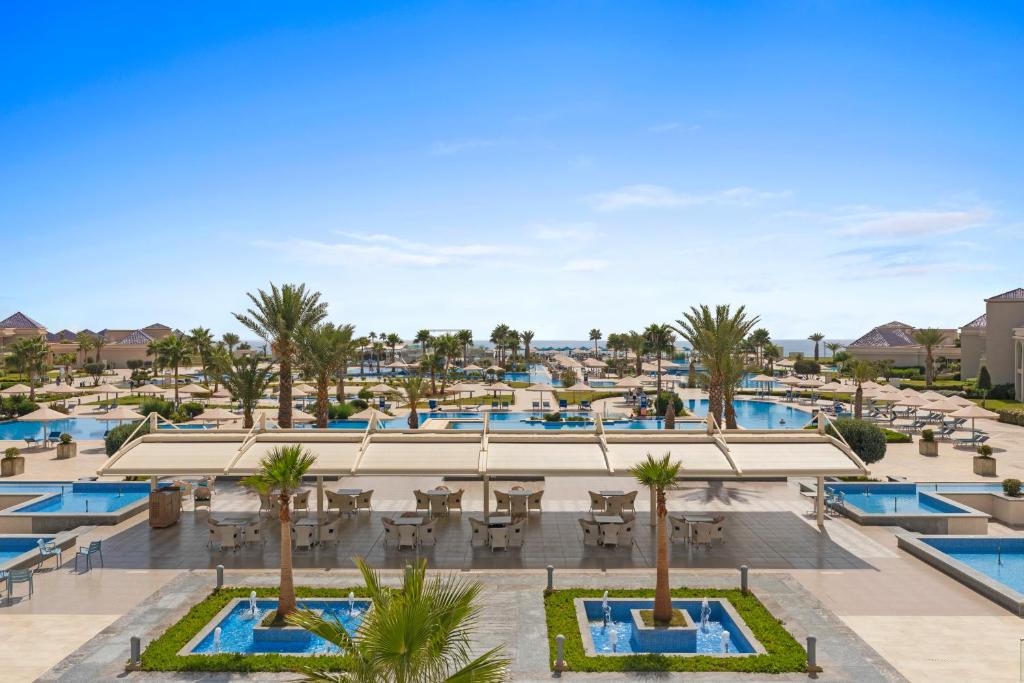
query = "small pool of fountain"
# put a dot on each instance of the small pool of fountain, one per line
(237, 628)
(712, 627)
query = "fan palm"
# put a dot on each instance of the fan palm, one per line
(862, 371)
(636, 342)
(659, 475)
(420, 633)
(393, 340)
(98, 342)
(595, 336)
(414, 391)
(29, 357)
(277, 316)
(202, 341)
(527, 337)
(816, 338)
(322, 352)
(85, 342)
(659, 340)
(833, 347)
(280, 474)
(465, 338)
(929, 338)
(248, 381)
(230, 340)
(423, 339)
(171, 352)
(498, 337)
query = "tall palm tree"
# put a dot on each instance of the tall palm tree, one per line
(29, 356)
(202, 341)
(423, 339)
(446, 347)
(636, 342)
(393, 340)
(659, 341)
(230, 340)
(498, 337)
(733, 370)
(760, 338)
(98, 342)
(862, 371)
(833, 347)
(85, 342)
(595, 336)
(816, 338)
(414, 390)
(322, 352)
(527, 337)
(248, 380)
(659, 475)
(66, 360)
(348, 350)
(218, 362)
(171, 352)
(280, 474)
(771, 354)
(929, 338)
(512, 343)
(277, 316)
(419, 633)
(465, 338)
(716, 336)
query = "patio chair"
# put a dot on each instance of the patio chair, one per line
(533, 502)
(536, 405)
(363, 500)
(518, 506)
(300, 501)
(704, 533)
(516, 535)
(251, 533)
(432, 404)
(331, 531)
(503, 502)
(406, 536)
(48, 549)
(498, 537)
(613, 506)
(390, 530)
(202, 496)
(504, 405)
(584, 405)
(478, 538)
(211, 536)
(19, 576)
(267, 502)
(422, 500)
(494, 405)
(629, 502)
(547, 405)
(427, 533)
(626, 534)
(347, 505)
(591, 531)
(680, 530)
(563, 404)
(455, 500)
(227, 537)
(53, 436)
(597, 502)
(609, 534)
(31, 441)
(94, 548)
(302, 537)
(975, 439)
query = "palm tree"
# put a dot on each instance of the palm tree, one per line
(772, 353)
(833, 347)
(98, 342)
(414, 390)
(595, 336)
(322, 352)
(393, 340)
(716, 337)
(85, 342)
(219, 361)
(423, 339)
(66, 360)
(929, 338)
(512, 343)
(277, 317)
(171, 352)
(349, 349)
(816, 338)
(760, 338)
(498, 336)
(230, 340)
(465, 338)
(862, 371)
(732, 374)
(419, 633)
(446, 347)
(248, 381)
(636, 342)
(659, 475)
(280, 473)
(29, 356)
(659, 340)
(202, 341)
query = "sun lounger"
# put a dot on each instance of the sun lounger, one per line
(975, 439)
(536, 405)
(504, 405)
(31, 441)
(547, 405)
(563, 404)
(584, 405)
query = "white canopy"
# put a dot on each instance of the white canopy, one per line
(149, 389)
(120, 413)
(629, 383)
(594, 363)
(16, 390)
(44, 414)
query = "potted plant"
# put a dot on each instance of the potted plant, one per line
(927, 444)
(67, 448)
(13, 463)
(984, 463)
(1011, 487)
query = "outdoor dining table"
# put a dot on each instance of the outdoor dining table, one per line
(349, 492)
(608, 519)
(518, 492)
(609, 494)
(694, 518)
(233, 521)
(499, 520)
(413, 521)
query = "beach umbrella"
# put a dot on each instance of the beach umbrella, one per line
(368, 414)
(150, 389)
(397, 365)
(43, 415)
(886, 389)
(960, 401)
(871, 385)
(932, 395)
(217, 415)
(541, 388)
(500, 387)
(472, 368)
(193, 389)
(943, 406)
(974, 412)
(596, 363)
(120, 414)
(629, 383)
(301, 416)
(382, 389)
(303, 387)
(221, 393)
(811, 383)
(914, 401)
(106, 388)
(16, 390)
(495, 369)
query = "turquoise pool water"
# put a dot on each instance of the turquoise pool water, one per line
(999, 557)
(80, 497)
(757, 414)
(238, 626)
(12, 548)
(78, 427)
(705, 639)
(891, 499)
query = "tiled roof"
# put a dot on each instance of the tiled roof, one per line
(156, 326)
(979, 323)
(63, 335)
(138, 337)
(1012, 295)
(895, 323)
(20, 321)
(884, 336)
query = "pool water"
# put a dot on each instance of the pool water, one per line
(891, 499)
(237, 628)
(999, 558)
(77, 427)
(757, 414)
(80, 497)
(538, 374)
(963, 487)
(12, 548)
(708, 640)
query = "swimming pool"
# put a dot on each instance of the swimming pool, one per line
(538, 374)
(79, 497)
(13, 547)
(757, 414)
(77, 427)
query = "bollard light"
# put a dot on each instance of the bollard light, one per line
(136, 657)
(812, 655)
(220, 576)
(551, 579)
(559, 654)
(743, 578)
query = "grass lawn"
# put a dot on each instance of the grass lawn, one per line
(478, 400)
(577, 396)
(162, 653)
(784, 653)
(996, 404)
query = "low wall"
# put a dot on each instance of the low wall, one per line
(1003, 508)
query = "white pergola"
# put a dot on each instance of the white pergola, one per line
(704, 454)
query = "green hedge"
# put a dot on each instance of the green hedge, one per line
(784, 653)
(896, 437)
(1013, 417)
(866, 439)
(162, 653)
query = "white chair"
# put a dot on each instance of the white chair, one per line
(407, 537)
(422, 500)
(629, 502)
(478, 539)
(302, 536)
(518, 506)
(591, 531)
(503, 502)
(610, 534)
(626, 534)
(515, 534)
(438, 504)
(680, 530)
(251, 534)
(533, 502)
(227, 537)
(614, 505)
(300, 501)
(331, 532)
(455, 499)
(363, 500)
(703, 534)
(498, 537)
(347, 505)
(390, 530)
(267, 503)
(426, 534)
(597, 503)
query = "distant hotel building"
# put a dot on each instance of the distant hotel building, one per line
(995, 339)
(894, 342)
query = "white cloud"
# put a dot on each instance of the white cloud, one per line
(585, 265)
(900, 224)
(659, 196)
(443, 148)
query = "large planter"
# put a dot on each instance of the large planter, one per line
(12, 466)
(986, 467)
(66, 451)
(929, 448)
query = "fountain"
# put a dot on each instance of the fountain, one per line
(216, 639)
(725, 641)
(352, 603)
(705, 615)
(253, 610)
(613, 640)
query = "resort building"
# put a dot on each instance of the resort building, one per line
(996, 340)
(894, 343)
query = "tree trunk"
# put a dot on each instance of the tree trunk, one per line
(730, 413)
(284, 396)
(247, 417)
(286, 591)
(670, 414)
(929, 375)
(715, 399)
(176, 384)
(691, 377)
(657, 395)
(858, 401)
(662, 597)
(414, 419)
(322, 388)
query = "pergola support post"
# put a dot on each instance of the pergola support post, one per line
(487, 499)
(320, 496)
(819, 503)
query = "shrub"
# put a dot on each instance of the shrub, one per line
(866, 440)
(984, 379)
(359, 404)
(552, 417)
(1011, 487)
(65, 438)
(157, 405)
(340, 411)
(661, 403)
(806, 367)
(16, 406)
(365, 394)
(1013, 417)
(117, 436)
(907, 373)
(1001, 392)
(11, 452)
(927, 435)
(985, 451)
(192, 408)
(567, 377)
(892, 436)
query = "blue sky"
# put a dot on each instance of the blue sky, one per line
(554, 166)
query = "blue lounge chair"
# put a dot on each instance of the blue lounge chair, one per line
(536, 405)
(19, 576)
(494, 405)
(504, 405)
(94, 548)
(432, 404)
(975, 439)
(547, 406)
(48, 549)
(584, 405)
(563, 404)
(31, 441)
